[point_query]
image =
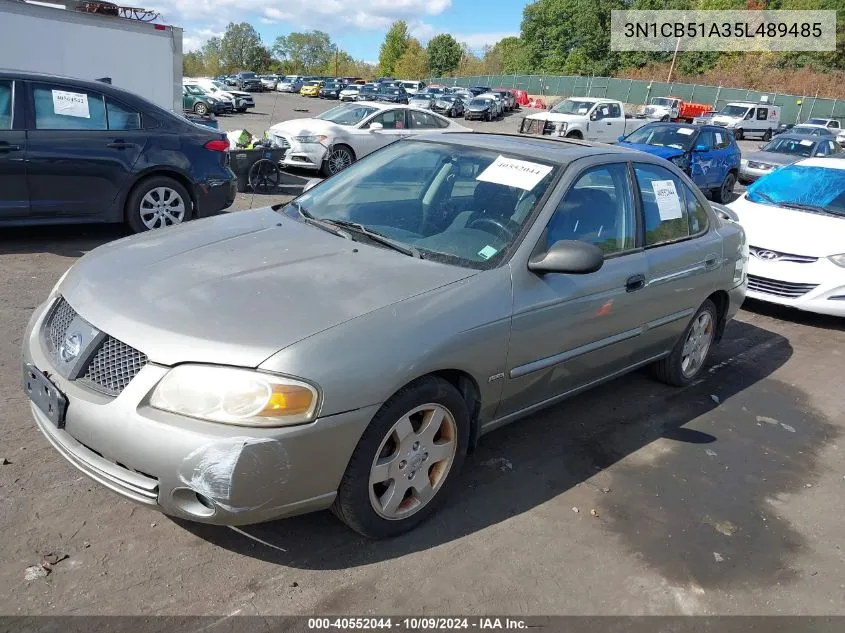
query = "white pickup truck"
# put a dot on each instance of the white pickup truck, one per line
(587, 118)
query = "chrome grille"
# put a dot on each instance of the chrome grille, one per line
(753, 165)
(769, 255)
(113, 366)
(114, 363)
(778, 288)
(59, 322)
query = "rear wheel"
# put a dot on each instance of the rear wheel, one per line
(157, 202)
(767, 135)
(724, 193)
(738, 134)
(409, 454)
(689, 355)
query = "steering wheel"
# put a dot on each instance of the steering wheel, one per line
(499, 229)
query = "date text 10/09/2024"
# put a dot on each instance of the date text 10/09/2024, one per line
(722, 30)
(416, 623)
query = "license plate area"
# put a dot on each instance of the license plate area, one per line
(45, 395)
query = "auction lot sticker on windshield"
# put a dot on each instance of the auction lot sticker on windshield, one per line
(686, 131)
(71, 104)
(514, 173)
(668, 201)
(806, 143)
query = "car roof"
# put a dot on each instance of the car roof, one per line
(802, 137)
(550, 150)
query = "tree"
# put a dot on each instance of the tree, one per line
(307, 53)
(444, 55)
(395, 43)
(241, 48)
(413, 64)
(193, 64)
(211, 56)
(506, 56)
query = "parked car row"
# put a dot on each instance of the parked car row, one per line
(202, 95)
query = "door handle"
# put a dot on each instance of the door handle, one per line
(635, 282)
(10, 148)
(711, 262)
(120, 145)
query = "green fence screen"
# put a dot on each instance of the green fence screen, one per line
(794, 108)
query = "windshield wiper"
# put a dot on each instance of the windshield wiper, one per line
(375, 236)
(765, 197)
(321, 224)
(807, 207)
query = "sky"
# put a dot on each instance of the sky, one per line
(357, 26)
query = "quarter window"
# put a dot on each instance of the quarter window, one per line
(661, 193)
(597, 209)
(696, 212)
(5, 105)
(68, 108)
(615, 111)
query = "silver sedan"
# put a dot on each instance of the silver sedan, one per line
(347, 350)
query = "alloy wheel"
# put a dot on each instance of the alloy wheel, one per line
(162, 206)
(339, 160)
(697, 344)
(413, 461)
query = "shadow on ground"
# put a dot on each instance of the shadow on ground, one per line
(686, 476)
(65, 240)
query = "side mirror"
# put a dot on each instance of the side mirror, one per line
(595, 115)
(567, 256)
(621, 138)
(724, 212)
(376, 127)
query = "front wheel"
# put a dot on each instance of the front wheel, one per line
(409, 454)
(339, 158)
(724, 193)
(689, 355)
(738, 134)
(157, 202)
(241, 110)
(200, 108)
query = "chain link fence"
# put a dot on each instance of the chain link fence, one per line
(794, 108)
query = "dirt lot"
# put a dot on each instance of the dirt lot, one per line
(722, 498)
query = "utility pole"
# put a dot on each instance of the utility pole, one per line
(674, 57)
(335, 60)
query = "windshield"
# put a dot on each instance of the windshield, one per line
(662, 101)
(313, 83)
(812, 131)
(573, 106)
(664, 136)
(291, 77)
(349, 114)
(795, 146)
(482, 208)
(218, 85)
(816, 182)
(422, 97)
(480, 102)
(817, 122)
(331, 85)
(734, 111)
(248, 75)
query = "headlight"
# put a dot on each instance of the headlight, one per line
(310, 139)
(560, 126)
(743, 161)
(235, 396)
(839, 260)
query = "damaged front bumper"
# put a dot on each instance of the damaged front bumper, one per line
(189, 468)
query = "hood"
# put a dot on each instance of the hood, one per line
(477, 108)
(239, 93)
(236, 288)
(774, 158)
(721, 118)
(556, 116)
(654, 150)
(304, 127)
(789, 230)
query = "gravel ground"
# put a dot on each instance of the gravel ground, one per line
(634, 498)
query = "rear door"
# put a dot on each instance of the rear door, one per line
(14, 193)
(82, 148)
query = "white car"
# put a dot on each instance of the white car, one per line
(350, 92)
(333, 140)
(840, 138)
(241, 101)
(794, 219)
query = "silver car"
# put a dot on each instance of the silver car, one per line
(784, 149)
(348, 349)
(422, 100)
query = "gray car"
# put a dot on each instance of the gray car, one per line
(348, 349)
(785, 149)
(422, 100)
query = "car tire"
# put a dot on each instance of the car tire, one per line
(738, 134)
(200, 109)
(689, 356)
(724, 193)
(396, 441)
(141, 211)
(339, 158)
(241, 110)
(767, 135)
(665, 118)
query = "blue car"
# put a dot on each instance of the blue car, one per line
(707, 153)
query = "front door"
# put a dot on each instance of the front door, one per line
(569, 331)
(703, 163)
(610, 123)
(81, 151)
(394, 126)
(14, 194)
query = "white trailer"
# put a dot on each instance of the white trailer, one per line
(142, 57)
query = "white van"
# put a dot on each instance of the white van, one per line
(749, 119)
(412, 87)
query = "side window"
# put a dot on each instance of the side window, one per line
(722, 139)
(61, 108)
(423, 121)
(390, 120)
(663, 209)
(5, 105)
(821, 149)
(122, 118)
(762, 114)
(749, 114)
(707, 139)
(696, 212)
(834, 148)
(597, 209)
(615, 111)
